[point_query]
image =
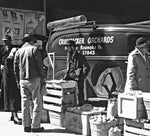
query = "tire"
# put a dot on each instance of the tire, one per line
(99, 68)
(106, 78)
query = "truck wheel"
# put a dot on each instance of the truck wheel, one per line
(98, 69)
(106, 78)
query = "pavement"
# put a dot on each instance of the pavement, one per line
(8, 128)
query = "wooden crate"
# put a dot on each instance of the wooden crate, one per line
(131, 106)
(61, 84)
(135, 128)
(146, 99)
(60, 95)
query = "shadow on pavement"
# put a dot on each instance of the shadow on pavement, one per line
(59, 131)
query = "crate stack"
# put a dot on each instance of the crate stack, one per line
(136, 128)
(61, 94)
(135, 111)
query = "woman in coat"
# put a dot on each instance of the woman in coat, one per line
(11, 93)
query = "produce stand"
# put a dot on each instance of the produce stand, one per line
(134, 108)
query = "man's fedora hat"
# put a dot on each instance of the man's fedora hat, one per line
(29, 37)
(142, 42)
(6, 37)
(70, 43)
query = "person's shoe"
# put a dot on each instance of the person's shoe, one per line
(41, 129)
(27, 129)
(19, 119)
(18, 122)
(12, 118)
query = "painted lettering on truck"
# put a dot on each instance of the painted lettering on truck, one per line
(88, 46)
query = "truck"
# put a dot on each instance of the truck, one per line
(106, 47)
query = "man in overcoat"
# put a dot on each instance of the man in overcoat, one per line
(138, 68)
(29, 73)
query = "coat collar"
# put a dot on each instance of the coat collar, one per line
(145, 57)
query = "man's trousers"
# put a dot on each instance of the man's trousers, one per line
(31, 94)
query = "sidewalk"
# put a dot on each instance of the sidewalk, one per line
(8, 128)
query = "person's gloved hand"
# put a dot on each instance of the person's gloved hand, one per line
(78, 71)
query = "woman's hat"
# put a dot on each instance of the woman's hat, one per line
(6, 37)
(142, 42)
(29, 37)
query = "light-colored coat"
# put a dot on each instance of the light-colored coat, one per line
(138, 72)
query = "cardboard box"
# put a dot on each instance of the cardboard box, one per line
(78, 122)
(131, 106)
(57, 118)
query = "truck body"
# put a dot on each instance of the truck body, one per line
(106, 48)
